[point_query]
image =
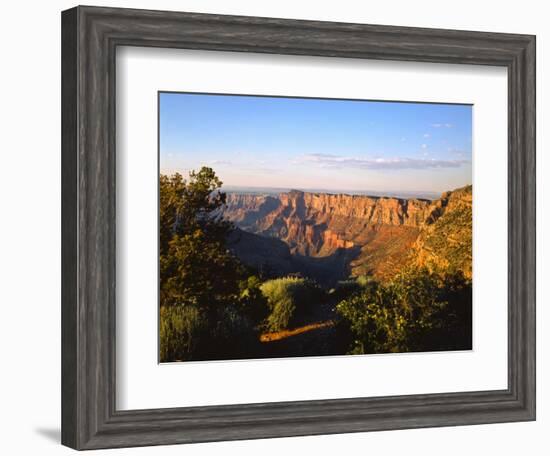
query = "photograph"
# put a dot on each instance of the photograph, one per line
(292, 227)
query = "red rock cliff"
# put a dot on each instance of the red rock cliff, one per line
(382, 231)
(316, 224)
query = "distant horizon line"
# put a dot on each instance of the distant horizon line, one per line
(400, 194)
(319, 189)
(427, 194)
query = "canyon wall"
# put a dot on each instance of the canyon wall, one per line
(378, 233)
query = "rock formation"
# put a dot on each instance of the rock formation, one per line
(380, 234)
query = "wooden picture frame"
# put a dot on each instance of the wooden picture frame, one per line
(90, 36)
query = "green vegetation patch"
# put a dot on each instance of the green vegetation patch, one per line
(290, 300)
(416, 311)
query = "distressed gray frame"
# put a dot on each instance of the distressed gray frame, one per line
(90, 36)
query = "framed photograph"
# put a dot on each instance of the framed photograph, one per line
(279, 228)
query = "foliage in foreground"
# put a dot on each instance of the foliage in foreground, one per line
(208, 307)
(348, 287)
(416, 311)
(290, 301)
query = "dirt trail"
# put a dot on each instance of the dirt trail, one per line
(319, 335)
(269, 337)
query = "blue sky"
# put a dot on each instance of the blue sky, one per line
(312, 143)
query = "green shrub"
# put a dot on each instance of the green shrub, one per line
(416, 311)
(252, 302)
(187, 335)
(235, 336)
(345, 288)
(364, 280)
(181, 330)
(290, 301)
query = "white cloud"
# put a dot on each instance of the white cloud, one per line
(337, 162)
(442, 125)
(424, 146)
(426, 135)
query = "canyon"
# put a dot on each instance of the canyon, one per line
(333, 236)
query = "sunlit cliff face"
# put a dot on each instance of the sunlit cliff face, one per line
(316, 224)
(383, 231)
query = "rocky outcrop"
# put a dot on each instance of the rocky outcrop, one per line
(247, 210)
(445, 242)
(316, 224)
(381, 231)
(334, 241)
